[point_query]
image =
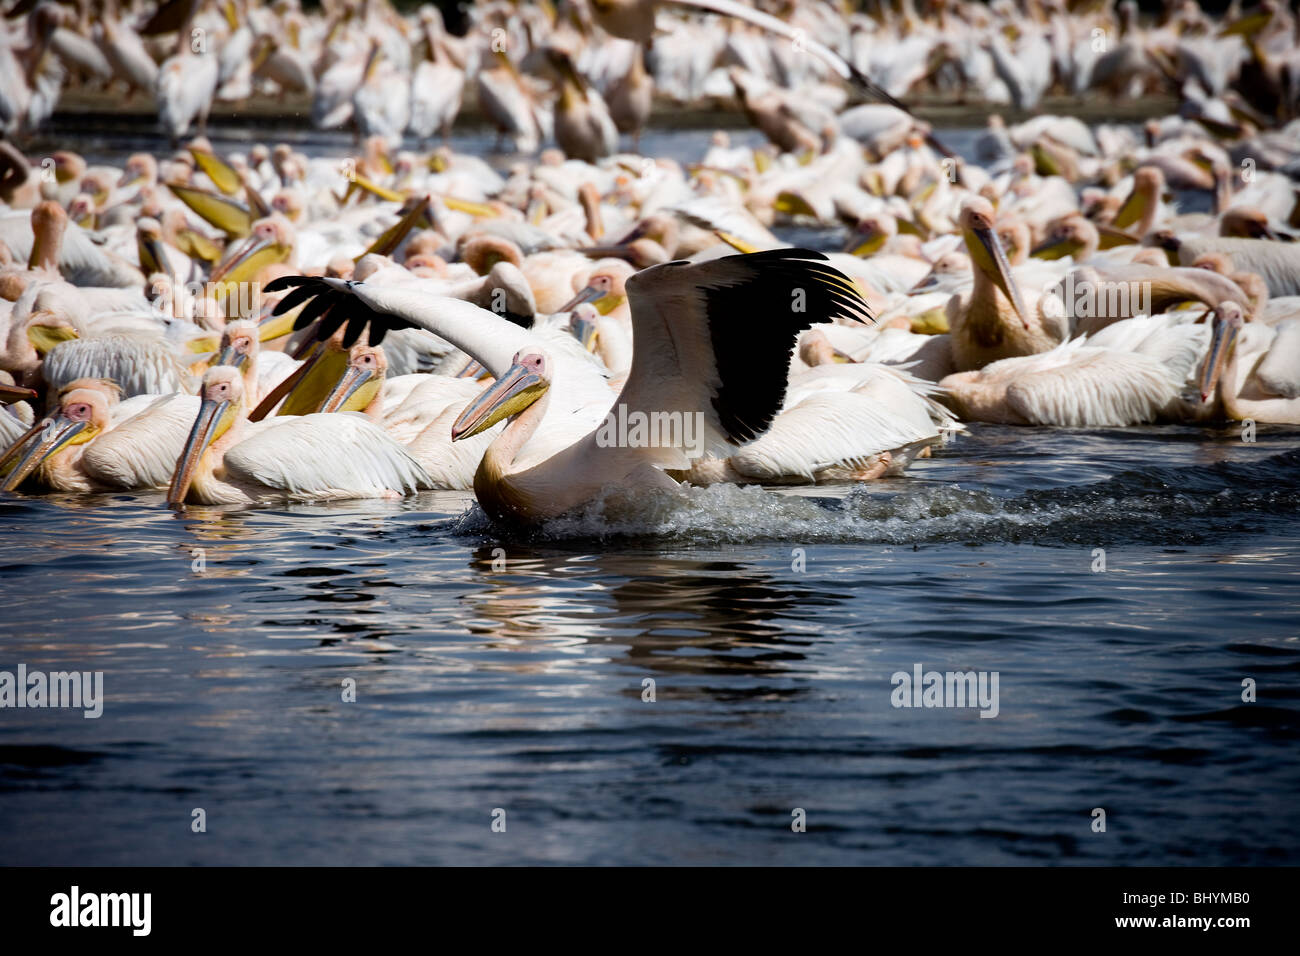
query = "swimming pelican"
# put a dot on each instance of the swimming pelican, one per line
(992, 321)
(1253, 368)
(422, 422)
(93, 442)
(712, 346)
(227, 460)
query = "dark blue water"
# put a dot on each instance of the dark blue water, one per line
(770, 623)
(520, 687)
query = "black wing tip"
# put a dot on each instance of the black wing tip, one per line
(286, 282)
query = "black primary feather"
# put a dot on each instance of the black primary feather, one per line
(754, 326)
(333, 307)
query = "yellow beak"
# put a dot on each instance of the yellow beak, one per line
(212, 421)
(511, 394)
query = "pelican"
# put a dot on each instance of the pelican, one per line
(93, 442)
(711, 347)
(227, 460)
(1073, 385)
(992, 321)
(1278, 263)
(508, 104)
(185, 89)
(424, 419)
(583, 126)
(631, 99)
(1253, 369)
(437, 82)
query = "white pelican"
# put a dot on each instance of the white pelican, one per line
(1278, 263)
(583, 127)
(422, 421)
(227, 460)
(1253, 368)
(437, 82)
(992, 321)
(1074, 385)
(186, 87)
(93, 442)
(712, 347)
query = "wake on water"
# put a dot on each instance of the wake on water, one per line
(1183, 505)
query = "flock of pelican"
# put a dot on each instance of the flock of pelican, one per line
(251, 326)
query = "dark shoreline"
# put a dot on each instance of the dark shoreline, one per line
(82, 112)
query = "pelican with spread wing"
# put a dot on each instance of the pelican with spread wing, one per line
(712, 346)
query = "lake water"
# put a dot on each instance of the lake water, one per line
(505, 678)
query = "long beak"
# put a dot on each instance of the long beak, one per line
(13, 393)
(227, 214)
(931, 281)
(229, 356)
(54, 434)
(238, 267)
(513, 392)
(287, 385)
(589, 294)
(1221, 342)
(477, 209)
(986, 251)
(1131, 212)
(473, 369)
(392, 237)
(584, 330)
(1053, 249)
(353, 382)
(129, 179)
(153, 258)
(201, 436)
(223, 175)
(869, 245)
(271, 326)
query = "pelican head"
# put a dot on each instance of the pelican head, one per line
(871, 233)
(582, 324)
(239, 345)
(222, 395)
(1071, 235)
(360, 382)
(947, 267)
(1228, 321)
(140, 168)
(987, 255)
(270, 243)
(82, 414)
(605, 288)
(49, 220)
(1139, 208)
(526, 381)
(1248, 223)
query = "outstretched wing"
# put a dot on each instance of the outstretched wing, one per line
(716, 337)
(488, 337)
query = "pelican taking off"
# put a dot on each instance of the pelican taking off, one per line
(712, 344)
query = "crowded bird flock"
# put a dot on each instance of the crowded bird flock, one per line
(574, 322)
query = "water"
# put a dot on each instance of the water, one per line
(770, 623)
(522, 688)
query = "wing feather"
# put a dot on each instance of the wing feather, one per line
(336, 455)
